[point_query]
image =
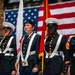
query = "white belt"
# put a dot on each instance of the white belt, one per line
(54, 54)
(55, 49)
(8, 54)
(73, 54)
(8, 49)
(58, 53)
(32, 52)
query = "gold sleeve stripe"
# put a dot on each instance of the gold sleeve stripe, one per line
(67, 45)
(67, 62)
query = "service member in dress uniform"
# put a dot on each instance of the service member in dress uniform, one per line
(28, 64)
(72, 54)
(7, 50)
(56, 50)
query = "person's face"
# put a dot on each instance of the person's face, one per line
(52, 30)
(7, 32)
(28, 28)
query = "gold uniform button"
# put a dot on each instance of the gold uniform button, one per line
(49, 54)
(65, 71)
(53, 35)
(52, 38)
(24, 48)
(2, 49)
(50, 42)
(49, 45)
(50, 49)
(2, 46)
(6, 40)
(24, 44)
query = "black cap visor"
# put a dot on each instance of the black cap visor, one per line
(6, 28)
(52, 25)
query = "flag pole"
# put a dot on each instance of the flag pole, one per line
(41, 50)
(45, 27)
(43, 32)
(47, 14)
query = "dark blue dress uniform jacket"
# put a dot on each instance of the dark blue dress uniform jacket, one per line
(55, 64)
(72, 55)
(32, 59)
(7, 63)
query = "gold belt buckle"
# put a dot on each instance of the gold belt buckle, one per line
(49, 54)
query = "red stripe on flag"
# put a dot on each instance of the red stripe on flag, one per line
(40, 18)
(39, 28)
(61, 5)
(66, 26)
(65, 15)
(67, 36)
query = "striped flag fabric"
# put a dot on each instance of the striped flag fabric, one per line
(64, 11)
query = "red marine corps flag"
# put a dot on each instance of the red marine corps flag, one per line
(44, 32)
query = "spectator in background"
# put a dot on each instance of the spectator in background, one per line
(8, 50)
(56, 50)
(28, 63)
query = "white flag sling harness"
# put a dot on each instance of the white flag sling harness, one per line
(56, 48)
(7, 47)
(24, 60)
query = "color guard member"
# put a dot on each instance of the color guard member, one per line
(28, 63)
(72, 55)
(7, 50)
(56, 50)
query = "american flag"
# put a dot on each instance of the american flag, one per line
(64, 11)
(28, 13)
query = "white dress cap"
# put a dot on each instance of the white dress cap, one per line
(8, 24)
(52, 20)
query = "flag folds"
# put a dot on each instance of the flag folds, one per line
(64, 11)
(66, 14)
(19, 28)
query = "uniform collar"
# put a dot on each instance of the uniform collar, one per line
(53, 35)
(29, 35)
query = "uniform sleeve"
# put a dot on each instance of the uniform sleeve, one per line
(72, 46)
(14, 52)
(37, 49)
(66, 51)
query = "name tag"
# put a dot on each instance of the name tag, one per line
(25, 63)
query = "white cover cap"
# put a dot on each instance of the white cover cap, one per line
(52, 20)
(8, 24)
